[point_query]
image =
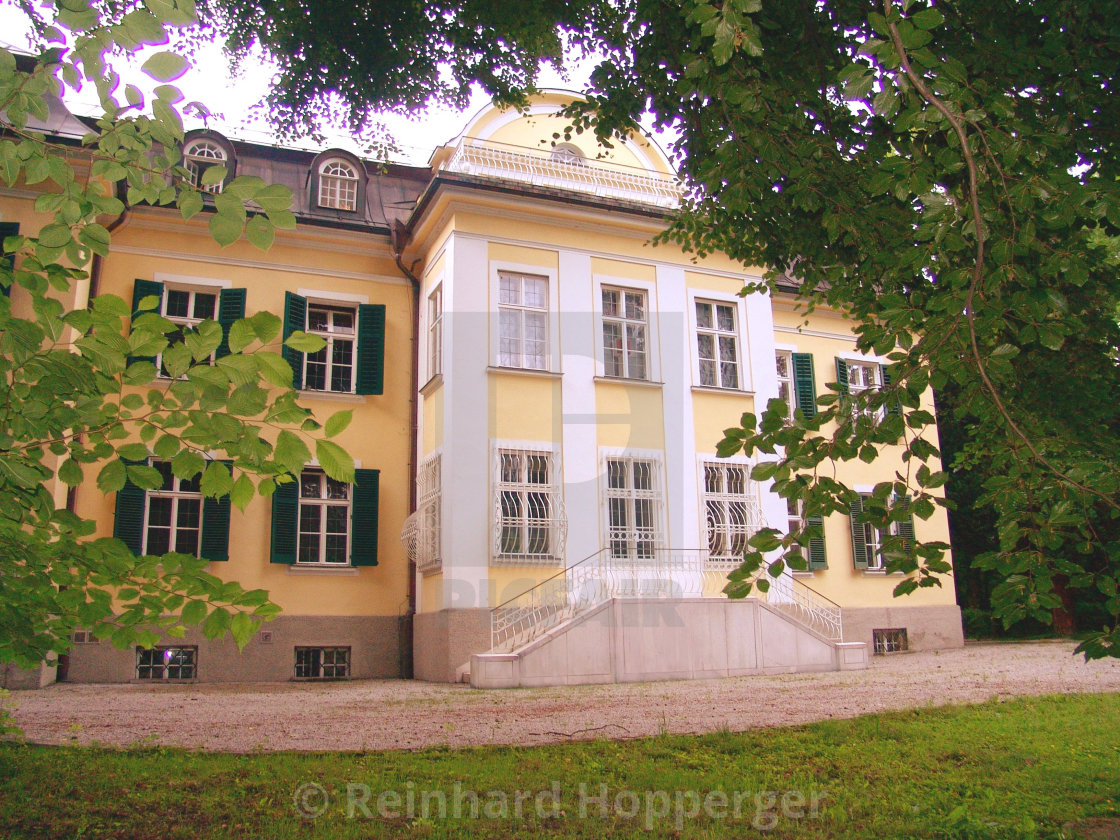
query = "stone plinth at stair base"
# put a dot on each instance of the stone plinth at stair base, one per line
(638, 640)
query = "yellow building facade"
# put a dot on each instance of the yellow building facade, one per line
(537, 390)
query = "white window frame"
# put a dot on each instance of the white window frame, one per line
(332, 335)
(522, 314)
(199, 155)
(653, 337)
(553, 524)
(429, 509)
(435, 332)
(874, 537)
(177, 495)
(736, 333)
(789, 380)
(639, 543)
(628, 328)
(750, 513)
(323, 502)
(552, 316)
(873, 363)
(338, 191)
(189, 321)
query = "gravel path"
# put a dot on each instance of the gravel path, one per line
(401, 714)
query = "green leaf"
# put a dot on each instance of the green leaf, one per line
(929, 18)
(70, 472)
(165, 66)
(194, 612)
(337, 422)
(260, 232)
(190, 203)
(291, 452)
(334, 460)
(225, 229)
(216, 480)
(242, 627)
(305, 342)
(214, 174)
(111, 477)
(242, 492)
(274, 369)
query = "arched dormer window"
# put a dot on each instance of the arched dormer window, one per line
(199, 155)
(338, 185)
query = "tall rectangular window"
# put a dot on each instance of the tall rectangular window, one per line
(868, 541)
(784, 361)
(717, 344)
(625, 333)
(634, 507)
(522, 321)
(186, 309)
(173, 521)
(530, 520)
(732, 510)
(324, 520)
(435, 332)
(332, 368)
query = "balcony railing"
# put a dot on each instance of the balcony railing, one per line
(541, 168)
(663, 573)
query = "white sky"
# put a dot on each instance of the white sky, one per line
(209, 82)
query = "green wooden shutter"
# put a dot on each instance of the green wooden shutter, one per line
(128, 521)
(906, 526)
(295, 318)
(363, 518)
(859, 544)
(842, 375)
(215, 527)
(7, 229)
(140, 290)
(804, 387)
(370, 377)
(895, 405)
(818, 559)
(231, 307)
(285, 523)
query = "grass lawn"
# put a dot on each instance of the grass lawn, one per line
(1016, 769)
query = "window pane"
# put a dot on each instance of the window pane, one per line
(159, 512)
(725, 318)
(635, 306)
(703, 315)
(610, 303)
(311, 485)
(204, 305)
(178, 303)
(343, 322)
(536, 292)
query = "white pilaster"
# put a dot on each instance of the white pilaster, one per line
(467, 514)
(681, 492)
(580, 458)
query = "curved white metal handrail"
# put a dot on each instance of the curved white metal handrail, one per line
(663, 573)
